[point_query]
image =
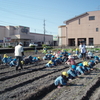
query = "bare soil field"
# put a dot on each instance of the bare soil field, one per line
(36, 83)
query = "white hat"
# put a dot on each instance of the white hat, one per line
(21, 43)
(69, 56)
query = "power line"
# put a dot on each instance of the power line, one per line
(3, 9)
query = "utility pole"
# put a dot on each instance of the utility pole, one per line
(44, 30)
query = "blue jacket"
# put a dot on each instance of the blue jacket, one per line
(60, 80)
(79, 69)
(49, 65)
(72, 73)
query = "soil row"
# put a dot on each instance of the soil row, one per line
(36, 82)
(14, 85)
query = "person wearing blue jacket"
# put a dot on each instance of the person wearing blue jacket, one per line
(91, 64)
(45, 57)
(79, 69)
(5, 59)
(13, 62)
(96, 58)
(72, 72)
(86, 67)
(61, 80)
(53, 60)
(59, 60)
(89, 55)
(49, 64)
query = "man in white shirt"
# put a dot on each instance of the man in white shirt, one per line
(83, 50)
(19, 52)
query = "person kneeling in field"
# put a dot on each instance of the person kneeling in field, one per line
(5, 59)
(49, 64)
(61, 80)
(79, 69)
(70, 61)
(72, 72)
(86, 67)
(13, 62)
(59, 60)
(97, 60)
(91, 64)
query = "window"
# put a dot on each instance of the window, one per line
(91, 41)
(91, 17)
(97, 29)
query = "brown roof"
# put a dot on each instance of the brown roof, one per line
(67, 21)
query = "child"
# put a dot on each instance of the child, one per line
(45, 57)
(96, 58)
(70, 61)
(53, 60)
(64, 58)
(13, 62)
(89, 55)
(27, 60)
(44, 50)
(5, 59)
(61, 80)
(9, 59)
(79, 69)
(39, 59)
(59, 60)
(80, 56)
(49, 64)
(56, 55)
(72, 72)
(35, 60)
(77, 51)
(91, 64)
(86, 67)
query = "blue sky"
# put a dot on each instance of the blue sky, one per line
(31, 13)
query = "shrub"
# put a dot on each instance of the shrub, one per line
(32, 46)
(10, 46)
(49, 47)
(44, 45)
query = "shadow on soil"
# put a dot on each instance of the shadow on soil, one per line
(91, 90)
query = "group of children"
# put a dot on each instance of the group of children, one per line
(57, 58)
(6, 60)
(76, 70)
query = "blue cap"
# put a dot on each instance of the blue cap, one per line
(80, 64)
(60, 55)
(52, 56)
(14, 59)
(73, 67)
(69, 53)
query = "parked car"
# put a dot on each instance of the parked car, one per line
(32, 44)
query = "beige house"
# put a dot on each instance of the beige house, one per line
(85, 27)
(14, 34)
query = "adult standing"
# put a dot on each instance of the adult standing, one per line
(19, 52)
(82, 48)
